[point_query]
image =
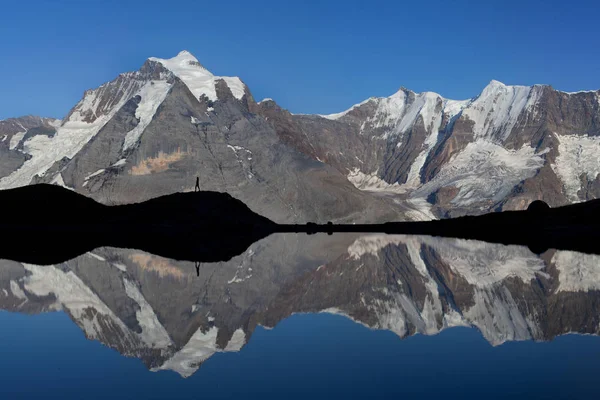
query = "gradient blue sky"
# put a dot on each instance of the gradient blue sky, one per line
(310, 56)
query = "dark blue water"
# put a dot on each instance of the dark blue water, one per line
(305, 356)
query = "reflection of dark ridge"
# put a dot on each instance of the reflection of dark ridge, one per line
(46, 224)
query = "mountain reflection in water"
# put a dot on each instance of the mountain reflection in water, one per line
(160, 311)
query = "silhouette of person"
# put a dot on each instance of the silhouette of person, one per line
(197, 189)
(197, 268)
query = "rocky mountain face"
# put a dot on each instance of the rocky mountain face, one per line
(14, 132)
(153, 131)
(407, 156)
(500, 150)
(173, 316)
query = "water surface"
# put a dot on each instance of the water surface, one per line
(300, 316)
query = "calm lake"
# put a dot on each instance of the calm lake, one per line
(298, 316)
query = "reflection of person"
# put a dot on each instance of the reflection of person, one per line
(197, 189)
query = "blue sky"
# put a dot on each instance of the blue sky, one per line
(310, 56)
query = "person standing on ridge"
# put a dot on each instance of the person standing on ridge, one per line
(197, 189)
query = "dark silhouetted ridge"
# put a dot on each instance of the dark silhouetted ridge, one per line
(574, 227)
(47, 224)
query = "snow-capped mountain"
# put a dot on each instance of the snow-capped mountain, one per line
(14, 132)
(499, 150)
(152, 131)
(159, 311)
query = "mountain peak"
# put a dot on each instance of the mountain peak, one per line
(495, 85)
(184, 62)
(185, 53)
(403, 89)
(198, 79)
(494, 82)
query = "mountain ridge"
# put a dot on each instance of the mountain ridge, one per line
(406, 156)
(492, 83)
